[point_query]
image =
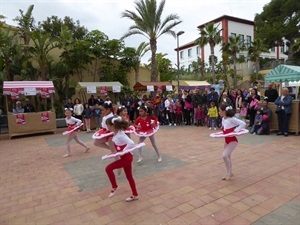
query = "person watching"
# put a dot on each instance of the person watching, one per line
(28, 107)
(18, 108)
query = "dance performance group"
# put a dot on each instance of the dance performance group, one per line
(115, 136)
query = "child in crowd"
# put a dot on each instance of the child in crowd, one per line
(229, 124)
(199, 116)
(97, 115)
(162, 112)
(121, 142)
(257, 122)
(72, 122)
(206, 117)
(213, 115)
(243, 111)
(178, 112)
(87, 114)
(146, 126)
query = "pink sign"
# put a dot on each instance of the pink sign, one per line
(45, 117)
(103, 90)
(20, 119)
(14, 93)
(45, 92)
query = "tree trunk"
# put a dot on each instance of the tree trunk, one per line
(234, 68)
(136, 71)
(153, 59)
(257, 68)
(212, 56)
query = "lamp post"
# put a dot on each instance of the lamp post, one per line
(178, 66)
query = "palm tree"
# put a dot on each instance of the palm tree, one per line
(233, 47)
(254, 51)
(149, 23)
(210, 35)
(296, 46)
(142, 49)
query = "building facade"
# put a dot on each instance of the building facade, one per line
(229, 26)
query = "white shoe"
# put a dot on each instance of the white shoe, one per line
(113, 192)
(170, 124)
(140, 160)
(215, 128)
(131, 198)
(174, 124)
(227, 176)
(209, 128)
(66, 155)
(159, 159)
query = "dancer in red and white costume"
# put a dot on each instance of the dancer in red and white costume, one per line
(103, 135)
(146, 125)
(229, 124)
(73, 126)
(122, 111)
(121, 143)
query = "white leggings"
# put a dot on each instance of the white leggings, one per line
(142, 139)
(228, 149)
(74, 136)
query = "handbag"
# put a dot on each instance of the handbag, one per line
(278, 109)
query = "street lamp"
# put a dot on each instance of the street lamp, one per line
(178, 66)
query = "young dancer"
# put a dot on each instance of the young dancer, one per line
(103, 135)
(72, 122)
(122, 112)
(121, 142)
(229, 124)
(146, 125)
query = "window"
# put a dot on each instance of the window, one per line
(233, 34)
(181, 55)
(190, 52)
(242, 38)
(248, 41)
(282, 49)
(273, 49)
(198, 50)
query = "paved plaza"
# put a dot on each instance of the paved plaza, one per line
(39, 187)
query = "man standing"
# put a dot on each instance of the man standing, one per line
(271, 93)
(28, 107)
(213, 97)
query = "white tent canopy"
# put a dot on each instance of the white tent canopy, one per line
(99, 84)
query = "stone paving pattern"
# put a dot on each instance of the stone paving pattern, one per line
(40, 187)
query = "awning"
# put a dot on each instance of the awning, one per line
(99, 84)
(142, 85)
(192, 84)
(283, 73)
(22, 85)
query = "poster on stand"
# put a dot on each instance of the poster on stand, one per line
(159, 89)
(29, 91)
(91, 90)
(45, 117)
(150, 88)
(20, 119)
(169, 88)
(116, 89)
(45, 92)
(14, 93)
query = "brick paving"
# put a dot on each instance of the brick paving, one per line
(40, 187)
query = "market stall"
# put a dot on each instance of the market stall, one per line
(103, 89)
(153, 86)
(34, 122)
(192, 84)
(286, 75)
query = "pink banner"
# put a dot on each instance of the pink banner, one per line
(14, 93)
(159, 89)
(45, 117)
(20, 119)
(45, 92)
(103, 90)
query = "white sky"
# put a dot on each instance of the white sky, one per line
(105, 15)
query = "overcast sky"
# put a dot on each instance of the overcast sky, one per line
(105, 15)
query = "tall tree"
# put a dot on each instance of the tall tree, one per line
(148, 22)
(210, 35)
(42, 45)
(256, 48)
(96, 39)
(232, 48)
